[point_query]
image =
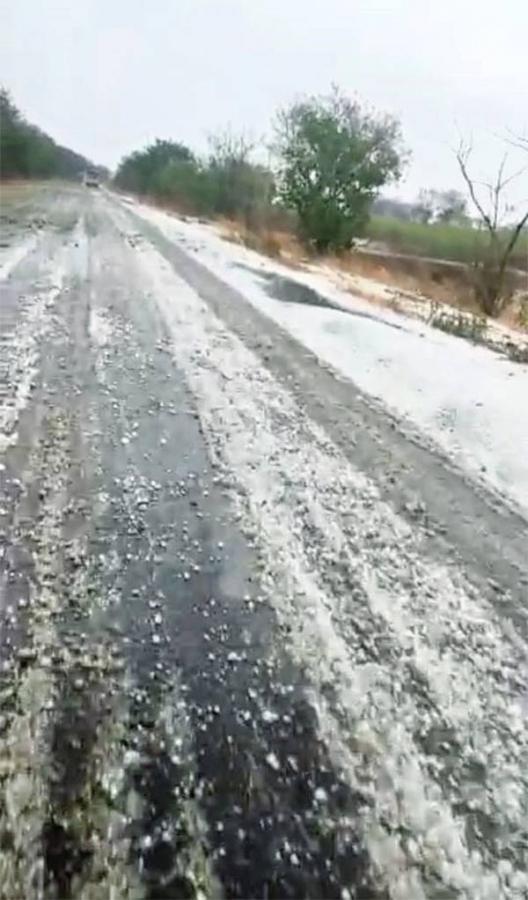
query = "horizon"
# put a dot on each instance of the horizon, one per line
(117, 82)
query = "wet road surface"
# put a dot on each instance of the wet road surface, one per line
(255, 640)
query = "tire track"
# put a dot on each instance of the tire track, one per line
(219, 372)
(256, 786)
(31, 683)
(266, 708)
(460, 521)
(59, 741)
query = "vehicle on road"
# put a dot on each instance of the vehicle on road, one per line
(91, 178)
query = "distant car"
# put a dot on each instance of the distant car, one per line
(91, 179)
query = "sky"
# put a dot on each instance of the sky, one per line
(105, 77)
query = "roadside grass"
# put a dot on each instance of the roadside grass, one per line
(22, 194)
(470, 326)
(15, 190)
(420, 280)
(415, 277)
(447, 242)
(478, 329)
(270, 242)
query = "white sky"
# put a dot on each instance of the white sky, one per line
(106, 76)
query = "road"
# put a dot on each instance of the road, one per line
(256, 640)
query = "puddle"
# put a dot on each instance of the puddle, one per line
(279, 287)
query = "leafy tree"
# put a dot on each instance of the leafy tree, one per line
(225, 183)
(139, 171)
(334, 157)
(27, 152)
(13, 136)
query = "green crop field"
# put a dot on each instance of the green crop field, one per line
(454, 242)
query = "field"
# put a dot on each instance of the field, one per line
(449, 242)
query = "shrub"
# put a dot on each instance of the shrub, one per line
(226, 183)
(462, 324)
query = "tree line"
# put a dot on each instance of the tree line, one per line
(226, 182)
(331, 159)
(332, 156)
(28, 152)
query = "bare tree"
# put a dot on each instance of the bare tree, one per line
(494, 291)
(520, 141)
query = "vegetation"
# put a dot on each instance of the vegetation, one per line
(459, 243)
(493, 287)
(140, 172)
(334, 158)
(225, 183)
(27, 152)
(465, 325)
(475, 328)
(440, 206)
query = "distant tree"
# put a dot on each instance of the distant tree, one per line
(27, 152)
(226, 183)
(395, 209)
(334, 158)
(423, 210)
(449, 207)
(181, 182)
(13, 137)
(239, 186)
(492, 286)
(139, 171)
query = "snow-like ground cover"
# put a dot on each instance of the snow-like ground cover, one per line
(470, 401)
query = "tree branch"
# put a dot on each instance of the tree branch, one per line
(462, 156)
(517, 140)
(514, 237)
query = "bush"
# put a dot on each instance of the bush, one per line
(140, 171)
(183, 184)
(461, 324)
(227, 183)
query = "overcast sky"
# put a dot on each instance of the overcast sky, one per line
(106, 76)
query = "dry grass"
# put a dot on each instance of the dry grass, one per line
(15, 189)
(286, 246)
(419, 279)
(277, 244)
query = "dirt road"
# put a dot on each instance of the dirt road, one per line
(256, 641)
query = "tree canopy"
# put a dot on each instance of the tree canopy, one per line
(334, 157)
(226, 182)
(27, 152)
(140, 170)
